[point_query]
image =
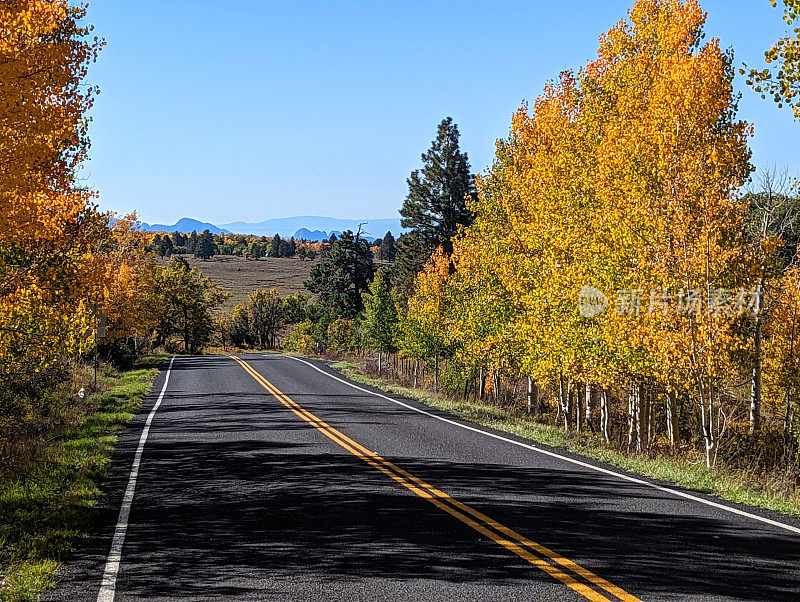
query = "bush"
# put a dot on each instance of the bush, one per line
(241, 332)
(342, 335)
(123, 353)
(300, 338)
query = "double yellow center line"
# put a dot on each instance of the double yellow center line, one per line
(574, 576)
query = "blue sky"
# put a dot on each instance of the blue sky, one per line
(251, 110)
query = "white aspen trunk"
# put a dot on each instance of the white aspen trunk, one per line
(559, 405)
(643, 407)
(643, 415)
(707, 420)
(588, 401)
(789, 419)
(379, 362)
(481, 383)
(672, 417)
(580, 409)
(530, 394)
(495, 386)
(533, 397)
(436, 374)
(604, 414)
(755, 385)
(416, 371)
(568, 408)
(631, 415)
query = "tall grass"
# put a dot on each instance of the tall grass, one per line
(742, 486)
(47, 503)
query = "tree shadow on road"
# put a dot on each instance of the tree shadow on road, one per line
(255, 504)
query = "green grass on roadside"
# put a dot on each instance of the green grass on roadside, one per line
(729, 485)
(42, 514)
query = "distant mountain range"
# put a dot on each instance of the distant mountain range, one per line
(308, 227)
(185, 225)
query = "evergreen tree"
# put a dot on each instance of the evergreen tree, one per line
(205, 246)
(274, 247)
(255, 251)
(166, 247)
(179, 239)
(342, 276)
(387, 249)
(436, 204)
(191, 245)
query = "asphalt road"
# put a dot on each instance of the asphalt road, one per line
(301, 487)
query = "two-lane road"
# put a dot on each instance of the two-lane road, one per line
(269, 477)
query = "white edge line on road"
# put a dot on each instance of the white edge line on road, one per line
(546, 452)
(108, 585)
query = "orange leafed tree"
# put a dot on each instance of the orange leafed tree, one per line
(49, 229)
(624, 176)
(671, 160)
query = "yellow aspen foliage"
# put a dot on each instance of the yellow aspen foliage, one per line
(49, 229)
(670, 162)
(622, 179)
(424, 332)
(782, 365)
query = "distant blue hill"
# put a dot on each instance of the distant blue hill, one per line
(185, 225)
(288, 226)
(316, 235)
(309, 227)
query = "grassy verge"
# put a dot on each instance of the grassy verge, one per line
(44, 512)
(729, 485)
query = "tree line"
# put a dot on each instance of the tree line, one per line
(618, 263)
(206, 245)
(619, 268)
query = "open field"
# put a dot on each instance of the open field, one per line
(240, 277)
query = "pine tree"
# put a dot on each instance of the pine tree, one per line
(437, 203)
(255, 251)
(205, 246)
(179, 239)
(166, 247)
(274, 247)
(386, 248)
(342, 276)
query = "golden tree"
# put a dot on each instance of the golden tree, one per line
(48, 226)
(624, 177)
